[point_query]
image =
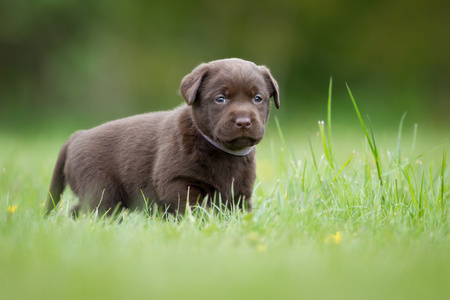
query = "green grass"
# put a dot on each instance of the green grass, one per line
(371, 223)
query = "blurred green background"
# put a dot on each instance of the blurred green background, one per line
(85, 62)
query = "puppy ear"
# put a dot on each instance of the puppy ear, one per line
(191, 83)
(273, 84)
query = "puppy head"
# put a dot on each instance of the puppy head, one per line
(230, 100)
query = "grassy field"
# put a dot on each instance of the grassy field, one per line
(328, 223)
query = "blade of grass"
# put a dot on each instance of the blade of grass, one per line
(346, 163)
(441, 196)
(53, 201)
(359, 117)
(414, 137)
(304, 176)
(421, 210)
(375, 153)
(280, 132)
(314, 158)
(411, 188)
(324, 141)
(372, 143)
(330, 88)
(405, 173)
(399, 137)
(431, 180)
(283, 142)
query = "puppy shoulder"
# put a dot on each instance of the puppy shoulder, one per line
(186, 128)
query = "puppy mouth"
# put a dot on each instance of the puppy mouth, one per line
(238, 139)
(240, 143)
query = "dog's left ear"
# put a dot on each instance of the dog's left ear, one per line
(273, 84)
(192, 82)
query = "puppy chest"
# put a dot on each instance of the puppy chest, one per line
(228, 177)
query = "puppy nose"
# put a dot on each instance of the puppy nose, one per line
(243, 122)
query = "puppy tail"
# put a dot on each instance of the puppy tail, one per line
(58, 182)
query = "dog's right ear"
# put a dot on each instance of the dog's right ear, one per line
(192, 82)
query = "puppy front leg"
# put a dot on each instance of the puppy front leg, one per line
(177, 194)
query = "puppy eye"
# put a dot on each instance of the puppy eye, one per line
(258, 99)
(220, 100)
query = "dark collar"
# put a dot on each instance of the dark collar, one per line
(242, 152)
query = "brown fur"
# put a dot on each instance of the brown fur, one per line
(163, 155)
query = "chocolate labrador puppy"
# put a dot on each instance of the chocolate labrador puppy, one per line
(204, 150)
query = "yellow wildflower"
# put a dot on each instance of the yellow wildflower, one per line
(12, 209)
(336, 238)
(261, 248)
